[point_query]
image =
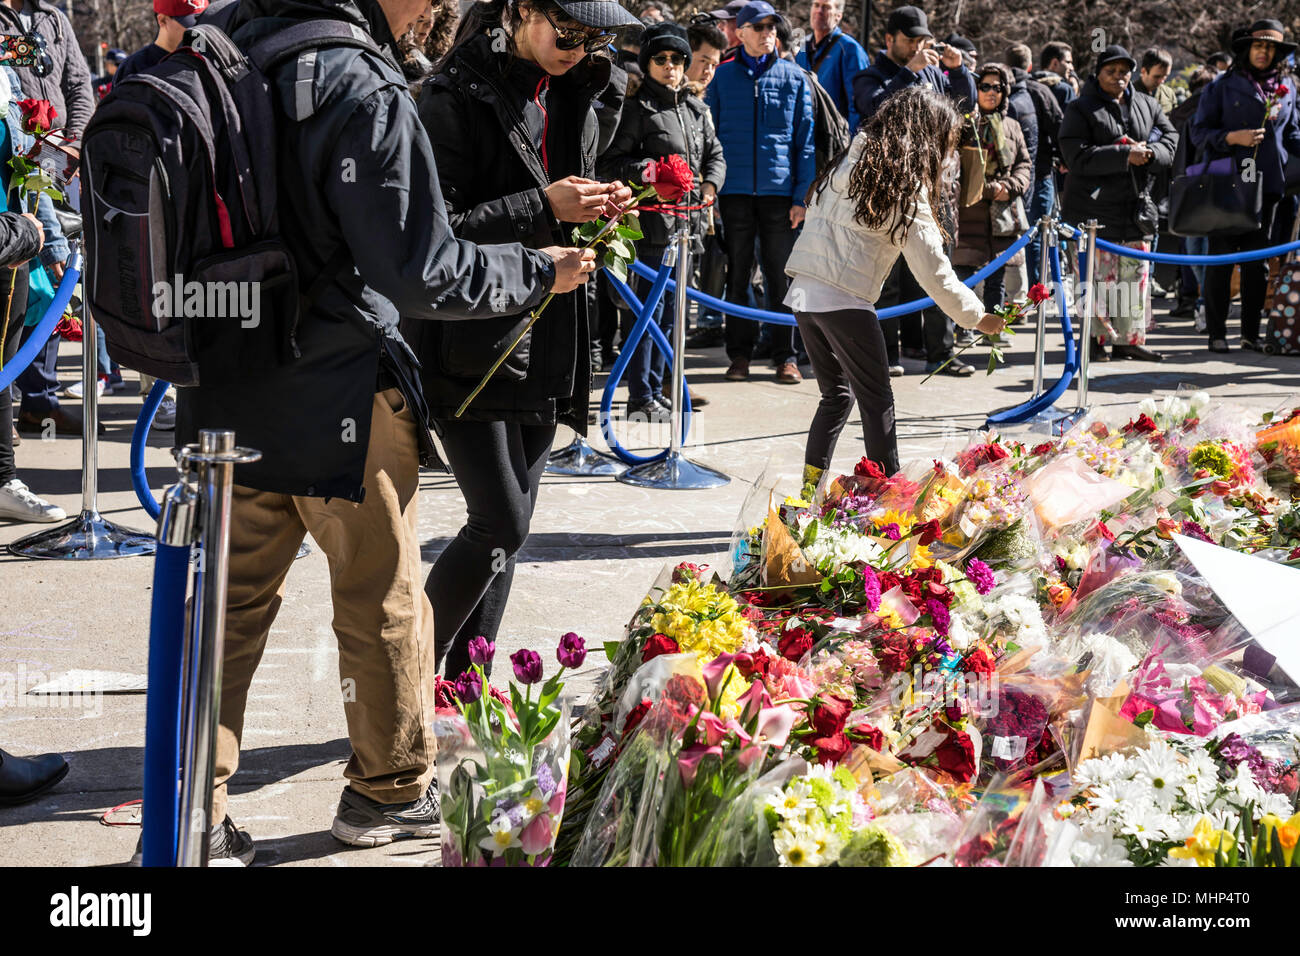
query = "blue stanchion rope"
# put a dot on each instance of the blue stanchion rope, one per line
(1038, 403)
(139, 439)
(162, 742)
(1229, 258)
(784, 318)
(645, 324)
(36, 341)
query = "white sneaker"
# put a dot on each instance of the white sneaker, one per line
(1200, 317)
(75, 390)
(165, 419)
(16, 501)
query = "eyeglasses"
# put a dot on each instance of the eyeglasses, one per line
(990, 87)
(663, 59)
(566, 39)
(762, 27)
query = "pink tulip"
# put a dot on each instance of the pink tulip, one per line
(536, 837)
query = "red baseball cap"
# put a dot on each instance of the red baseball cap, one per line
(184, 12)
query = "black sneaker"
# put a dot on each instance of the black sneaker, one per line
(650, 411)
(227, 846)
(361, 821)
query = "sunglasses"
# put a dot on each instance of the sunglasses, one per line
(762, 27)
(990, 87)
(663, 59)
(566, 39)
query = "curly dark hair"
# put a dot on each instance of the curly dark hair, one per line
(908, 141)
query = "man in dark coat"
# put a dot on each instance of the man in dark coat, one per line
(342, 426)
(1045, 150)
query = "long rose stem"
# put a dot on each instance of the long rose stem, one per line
(537, 314)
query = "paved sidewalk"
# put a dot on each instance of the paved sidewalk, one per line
(595, 548)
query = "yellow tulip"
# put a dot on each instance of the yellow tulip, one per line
(1203, 843)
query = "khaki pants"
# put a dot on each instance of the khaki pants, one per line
(382, 618)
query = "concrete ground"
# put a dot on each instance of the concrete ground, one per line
(595, 548)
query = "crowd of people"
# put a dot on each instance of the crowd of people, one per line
(830, 181)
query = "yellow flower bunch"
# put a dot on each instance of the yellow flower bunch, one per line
(1203, 843)
(701, 619)
(904, 521)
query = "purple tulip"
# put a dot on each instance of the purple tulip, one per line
(572, 650)
(469, 687)
(481, 651)
(527, 665)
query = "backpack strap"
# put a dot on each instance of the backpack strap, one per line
(305, 37)
(825, 51)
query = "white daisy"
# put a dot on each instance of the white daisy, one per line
(796, 849)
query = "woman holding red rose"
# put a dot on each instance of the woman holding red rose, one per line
(665, 119)
(871, 205)
(509, 111)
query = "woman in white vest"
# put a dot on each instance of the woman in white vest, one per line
(869, 207)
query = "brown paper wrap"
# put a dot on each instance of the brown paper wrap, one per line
(784, 564)
(1107, 731)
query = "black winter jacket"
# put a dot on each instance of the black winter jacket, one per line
(356, 177)
(1047, 112)
(19, 240)
(1101, 183)
(659, 122)
(502, 132)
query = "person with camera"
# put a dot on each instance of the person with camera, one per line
(342, 424)
(1248, 114)
(1113, 139)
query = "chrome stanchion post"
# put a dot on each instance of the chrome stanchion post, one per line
(87, 536)
(213, 459)
(1089, 311)
(674, 470)
(1046, 236)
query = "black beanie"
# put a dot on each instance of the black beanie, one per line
(660, 37)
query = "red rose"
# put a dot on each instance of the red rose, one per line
(929, 532)
(830, 714)
(866, 468)
(1038, 293)
(795, 643)
(753, 665)
(38, 116)
(896, 654)
(873, 737)
(1042, 449)
(956, 756)
(888, 581)
(939, 592)
(671, 177)
(1142, 425)
(658, 644)
(832, 749)
(635, 716)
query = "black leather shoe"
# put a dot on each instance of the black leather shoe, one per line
(1139, 352)
(651, 411)
(26, 778)
(1097, 351)
(66, 422)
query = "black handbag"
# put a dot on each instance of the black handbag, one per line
(1213, 197)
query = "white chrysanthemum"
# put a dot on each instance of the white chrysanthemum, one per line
(1201, 780)
(1148, 828)
(1099, 847)
(960, 636)
(796, 849)
(794, 802)
(1102, 770)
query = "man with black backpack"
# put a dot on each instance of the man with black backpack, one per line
(319, 380)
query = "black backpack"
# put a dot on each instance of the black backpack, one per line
(831, 133)
(186, 272)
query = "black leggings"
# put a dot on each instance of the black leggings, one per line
(13, 340)
(498, 466)
(847, 352)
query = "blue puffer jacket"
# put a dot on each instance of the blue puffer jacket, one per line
(1232, 102)
(836, 70)
(765, 125)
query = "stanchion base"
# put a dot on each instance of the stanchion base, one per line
(1045, 418)
(1068, 420)
(673, 473)
(87, 537)
(579, 458)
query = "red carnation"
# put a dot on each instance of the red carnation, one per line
(832, 749)
(659, 644)
(888, 581)
(795, 643)
(980, 662)
(866, 468)
(830, 714)
(38, 116)
(671, 177)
